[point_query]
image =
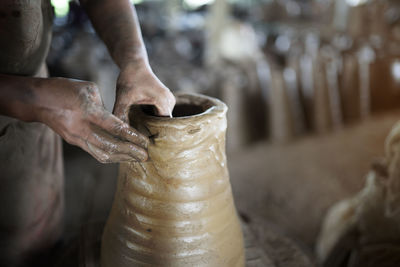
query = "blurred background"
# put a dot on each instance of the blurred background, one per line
(312, 86)
(285, 68)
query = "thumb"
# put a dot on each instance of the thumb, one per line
(165, 105)
(121, 110)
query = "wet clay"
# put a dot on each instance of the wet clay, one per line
(176, 209)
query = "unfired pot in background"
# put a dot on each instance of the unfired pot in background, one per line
(176, 209)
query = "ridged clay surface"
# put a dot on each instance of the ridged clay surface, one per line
(177, 208)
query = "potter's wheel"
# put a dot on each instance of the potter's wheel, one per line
(264, 248)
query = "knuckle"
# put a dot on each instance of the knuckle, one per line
(91, 86)
(89, 90)
(111, 148)
(118, 129)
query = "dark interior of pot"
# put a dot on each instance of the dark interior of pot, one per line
(183, 110)
(180, 109)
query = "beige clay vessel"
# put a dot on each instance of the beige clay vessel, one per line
(176, 209)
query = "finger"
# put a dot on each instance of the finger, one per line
(165, 105)
(113, 146)
(94, 151)
(104, 157)
(117, 128)
(121, 109)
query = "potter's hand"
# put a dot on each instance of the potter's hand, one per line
(117, 24)
(75, 111)
(137, 84)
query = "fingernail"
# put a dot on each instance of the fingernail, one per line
(145, 142)
(143, 158)
(139, 155)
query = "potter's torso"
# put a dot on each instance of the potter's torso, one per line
(25, 34)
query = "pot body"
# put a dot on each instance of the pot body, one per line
(177, 208)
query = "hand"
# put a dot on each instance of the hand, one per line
(75, 111)
(137, 84)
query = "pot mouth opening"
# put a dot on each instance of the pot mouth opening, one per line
(187, 106)
(180, 110)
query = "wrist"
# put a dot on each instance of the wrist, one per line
(136, 68)
(137, 58)
(18, 98)
(49, 97)
(36, 105)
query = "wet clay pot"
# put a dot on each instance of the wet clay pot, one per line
(176, 209)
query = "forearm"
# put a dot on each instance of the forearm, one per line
(18, 97)
(117, 25)
(33, 99)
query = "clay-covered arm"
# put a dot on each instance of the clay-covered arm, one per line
(75, 111)
(117, 25)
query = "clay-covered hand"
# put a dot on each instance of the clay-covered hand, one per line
(137, 84)
(74, 109)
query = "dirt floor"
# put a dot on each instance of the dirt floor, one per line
(286, 188)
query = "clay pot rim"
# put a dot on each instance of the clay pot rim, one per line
(209, 105)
